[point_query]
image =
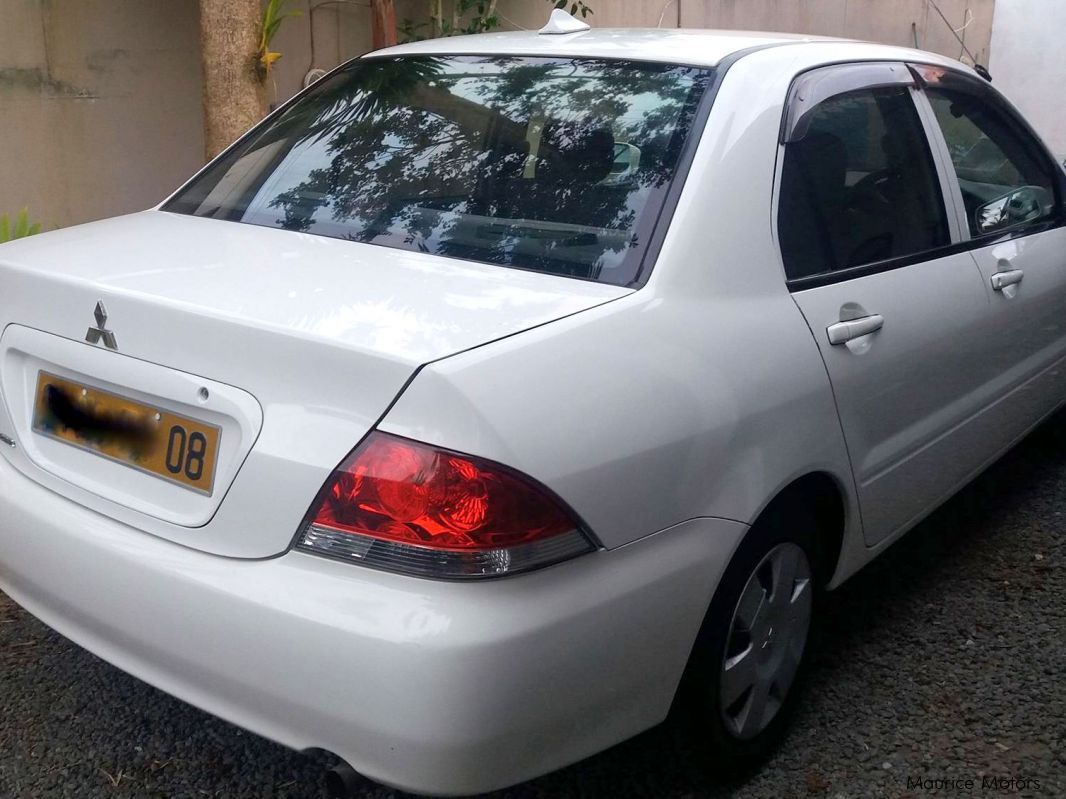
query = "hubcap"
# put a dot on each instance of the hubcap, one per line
(766, 639)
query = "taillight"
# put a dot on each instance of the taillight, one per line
(403, 506)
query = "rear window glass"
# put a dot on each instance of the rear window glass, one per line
(557, 165)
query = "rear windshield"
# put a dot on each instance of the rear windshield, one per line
(557, 165)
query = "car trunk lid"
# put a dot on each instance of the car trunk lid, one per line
(291, 345)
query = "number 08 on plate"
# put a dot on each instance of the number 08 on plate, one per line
(167, 445)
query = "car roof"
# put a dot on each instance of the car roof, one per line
(671, 45)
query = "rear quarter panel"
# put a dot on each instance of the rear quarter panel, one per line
(700, 395)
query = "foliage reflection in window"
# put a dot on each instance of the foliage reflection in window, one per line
(551, 164)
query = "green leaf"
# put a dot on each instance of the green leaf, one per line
(274, 13)
(21, 228)
(22, 224)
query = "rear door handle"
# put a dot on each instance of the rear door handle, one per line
(1000, 280)
(843, 332)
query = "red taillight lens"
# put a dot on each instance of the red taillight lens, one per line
(405, 506)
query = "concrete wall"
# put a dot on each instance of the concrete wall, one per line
(324, 35)
(891, 21)
(1028, 66)
(342, 29)
(100, 107)
(100, 99)
(902, 22)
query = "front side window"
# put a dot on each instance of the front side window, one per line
(558, 165)
(860, 186)
(1005, 180)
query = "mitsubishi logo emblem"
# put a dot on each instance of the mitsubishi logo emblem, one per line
(100, 333)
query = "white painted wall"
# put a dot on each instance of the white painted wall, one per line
(1028, 37)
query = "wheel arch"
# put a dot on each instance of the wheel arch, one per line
(818, 492)
(824, 495)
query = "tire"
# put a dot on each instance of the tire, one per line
(723, 718)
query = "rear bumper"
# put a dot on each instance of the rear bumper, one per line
(440, 688)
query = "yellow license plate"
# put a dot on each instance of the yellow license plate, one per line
(164, 444)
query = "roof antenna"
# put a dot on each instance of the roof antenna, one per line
(560, 23)
(980, 69)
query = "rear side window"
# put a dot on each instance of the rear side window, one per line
(558, 165)
(860, 186)
(1005, 180)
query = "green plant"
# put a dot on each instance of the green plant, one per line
(469, 16)
(274, 14)
(578, 7)
(22, 229)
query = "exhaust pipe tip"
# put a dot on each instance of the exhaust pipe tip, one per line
(343, 781)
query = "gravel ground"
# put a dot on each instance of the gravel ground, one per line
(944, 659)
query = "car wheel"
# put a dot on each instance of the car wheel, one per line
(742, 680)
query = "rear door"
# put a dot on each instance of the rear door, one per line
(1008, 191)
(871, 255)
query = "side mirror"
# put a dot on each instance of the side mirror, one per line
(1013, 208)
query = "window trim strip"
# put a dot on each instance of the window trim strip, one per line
(854, 272)
(950, 191)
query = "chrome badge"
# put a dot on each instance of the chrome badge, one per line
(100, 333)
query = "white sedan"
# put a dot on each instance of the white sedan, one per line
(499, 393)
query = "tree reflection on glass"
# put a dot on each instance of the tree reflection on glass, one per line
(552, 164)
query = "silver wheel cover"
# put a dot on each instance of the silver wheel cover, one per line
(766, 638)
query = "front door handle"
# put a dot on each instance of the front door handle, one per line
(843, 332)
(1000, 280)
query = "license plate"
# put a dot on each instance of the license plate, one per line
(164, 444)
